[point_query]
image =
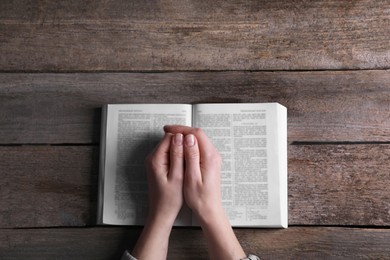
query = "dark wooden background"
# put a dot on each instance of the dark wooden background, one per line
(327, 61)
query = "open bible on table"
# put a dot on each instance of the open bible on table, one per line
(250, 137)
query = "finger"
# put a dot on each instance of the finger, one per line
(176, 157)
(177, 128)
(207, 149)
(192, 160)
(160, 155)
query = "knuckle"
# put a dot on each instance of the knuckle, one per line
(198, 131)
(192, 154)
(177, 177)
(191, 183)
(151, 162)
(177, 153)
(214, 157)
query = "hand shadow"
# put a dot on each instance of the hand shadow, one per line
(131, 180)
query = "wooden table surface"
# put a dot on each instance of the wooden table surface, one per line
(326, 61)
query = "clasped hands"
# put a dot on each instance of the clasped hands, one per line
(184, 166)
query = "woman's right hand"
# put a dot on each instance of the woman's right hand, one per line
(202, 175)
(202, 192)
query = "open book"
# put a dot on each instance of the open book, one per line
(252, 141)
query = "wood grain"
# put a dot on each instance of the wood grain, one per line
(349, 106)
(182, 35)
(327, 61)
(109, 243)
(44, 186)
(339, 185)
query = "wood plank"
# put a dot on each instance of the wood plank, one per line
(180, 35)
(48, 186)
(45, 186)
(65, 243)
(109, 243)
(339, 185)
(322, 106)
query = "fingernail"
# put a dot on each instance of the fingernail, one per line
(178, 139)
(189, 140)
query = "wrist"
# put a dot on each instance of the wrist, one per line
(220, 237)
(210, 216)
(160, 220)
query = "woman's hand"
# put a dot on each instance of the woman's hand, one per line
(202, 174)
(202, 192)
(165, 172)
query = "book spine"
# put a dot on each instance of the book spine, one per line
(102, 160)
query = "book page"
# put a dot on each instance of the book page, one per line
(132, 132)
(246, 136)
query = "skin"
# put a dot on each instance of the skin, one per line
(165, 179)
(198, 184)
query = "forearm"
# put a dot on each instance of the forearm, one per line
(153, 242)
(221, 240)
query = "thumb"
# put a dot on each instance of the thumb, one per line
(192, 159)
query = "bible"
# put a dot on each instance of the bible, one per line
(250, 137)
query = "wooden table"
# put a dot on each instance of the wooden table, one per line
(326, 61)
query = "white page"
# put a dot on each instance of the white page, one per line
(133, 131)
(253, 146)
